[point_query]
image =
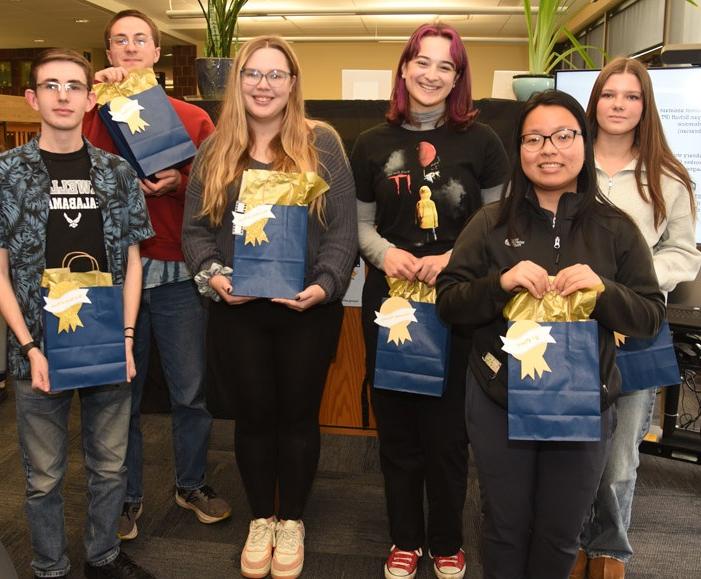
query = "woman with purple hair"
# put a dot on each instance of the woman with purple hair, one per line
(432, 141)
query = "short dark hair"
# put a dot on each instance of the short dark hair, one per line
(60, 55)
(155, 33)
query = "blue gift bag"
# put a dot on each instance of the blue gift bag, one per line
(163, 144)
(563, 404)
(93, 354)
(648, 363)
(273, 268)
(418, 365)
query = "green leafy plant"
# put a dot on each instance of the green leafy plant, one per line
(545, 28)
(221, 17)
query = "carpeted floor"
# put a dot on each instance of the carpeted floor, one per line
(346, 523)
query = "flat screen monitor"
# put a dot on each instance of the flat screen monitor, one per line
(677, 93)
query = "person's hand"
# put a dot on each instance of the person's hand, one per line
(400, 264)
(222, 285)
(575, 277)
(111, 74)
(526, 275)
(307, 298)
(430, 266)
(131, 365)
(39, 367)
(168, 181)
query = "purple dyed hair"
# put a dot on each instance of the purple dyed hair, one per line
(459, 108)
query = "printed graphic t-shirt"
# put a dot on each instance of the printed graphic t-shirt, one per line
(75, 220)
(426, 184)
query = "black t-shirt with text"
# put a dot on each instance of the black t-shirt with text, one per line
(75, 220)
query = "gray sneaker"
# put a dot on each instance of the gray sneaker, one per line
(204, 502)
(127, 521)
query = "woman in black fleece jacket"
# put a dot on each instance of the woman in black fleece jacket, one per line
(554, 222)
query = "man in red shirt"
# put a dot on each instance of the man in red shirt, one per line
(171, 309)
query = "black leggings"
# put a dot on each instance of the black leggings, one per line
(423, 444)
(277, 360)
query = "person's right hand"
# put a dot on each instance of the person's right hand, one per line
(400, 264)
(222, 285)
(39, 367)
(111, 74)
(526, 275)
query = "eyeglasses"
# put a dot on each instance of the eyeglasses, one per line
(561, 139)
(275, 78)
(70, 87)
(139, 40)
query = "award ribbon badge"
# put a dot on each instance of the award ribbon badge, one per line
(126, 110)
(527, 341)
(396, 314)
(252, 220)
(64, 301)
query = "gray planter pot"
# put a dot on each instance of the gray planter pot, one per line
(212, 74)
(525, 85)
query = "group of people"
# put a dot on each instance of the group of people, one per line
(588, 200)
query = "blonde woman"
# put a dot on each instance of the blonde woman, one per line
(638, 173)
(276, 352)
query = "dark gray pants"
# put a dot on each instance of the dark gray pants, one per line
(537, 493)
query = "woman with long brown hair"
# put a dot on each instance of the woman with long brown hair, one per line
(275, 353)
(638, 173)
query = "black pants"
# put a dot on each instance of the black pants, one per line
(277, 360)
(537, 493)
(423, 444)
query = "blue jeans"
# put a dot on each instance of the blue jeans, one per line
(175, 315)
(606, 531)
(42, 425)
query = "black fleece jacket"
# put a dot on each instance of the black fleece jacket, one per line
(469, 291)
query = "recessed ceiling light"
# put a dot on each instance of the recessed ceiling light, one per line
(39, 40)
(81, 20)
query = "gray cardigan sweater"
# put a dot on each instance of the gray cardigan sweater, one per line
(331, 248)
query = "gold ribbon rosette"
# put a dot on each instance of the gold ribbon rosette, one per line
(261, 189)
(68, 290)
(123, 109)
(397, 313)
(527, 340)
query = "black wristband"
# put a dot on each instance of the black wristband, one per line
(24, 349)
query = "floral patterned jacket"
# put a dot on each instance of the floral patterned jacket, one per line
(24, 212)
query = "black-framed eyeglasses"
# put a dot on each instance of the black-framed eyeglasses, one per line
(70, 87)
(275, 78)
(122, 41)
(561, 139)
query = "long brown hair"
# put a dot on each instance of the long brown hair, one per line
(226, 153)
(653, 151)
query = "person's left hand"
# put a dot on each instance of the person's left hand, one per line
(131, 365)
(168, 181)
(307, 298)
(430, 266)
(573, 278)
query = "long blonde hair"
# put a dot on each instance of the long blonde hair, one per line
(226, 155)
(654, 152)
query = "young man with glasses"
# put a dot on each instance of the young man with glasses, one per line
(59, 194)
(171, 308)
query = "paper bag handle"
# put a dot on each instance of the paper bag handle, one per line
(73, 255)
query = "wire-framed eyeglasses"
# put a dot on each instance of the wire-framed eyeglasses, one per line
(561, 139)
(139, 40)
(253, 77)
(70, 87)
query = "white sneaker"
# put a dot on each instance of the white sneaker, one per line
(288, 558)
(258, 550)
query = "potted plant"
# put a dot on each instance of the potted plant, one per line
(213, 69)
(545, 28)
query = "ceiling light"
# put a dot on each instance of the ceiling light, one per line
(39, 40)
(81, 20)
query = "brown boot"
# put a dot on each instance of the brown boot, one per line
(606, 568)
(579, 571)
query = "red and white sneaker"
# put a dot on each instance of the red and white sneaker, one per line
(452, 567)
(402, 564)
